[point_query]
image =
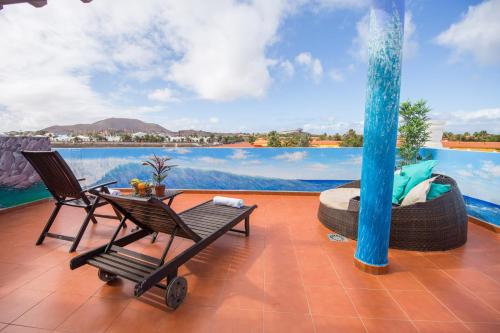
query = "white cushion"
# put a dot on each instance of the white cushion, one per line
(338, 198)
(418, 193)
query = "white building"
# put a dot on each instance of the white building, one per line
(139, 135)
(83, 138)
(436, 129)
(61, 138)
(113, 138)
(178, 139)
(199, 139)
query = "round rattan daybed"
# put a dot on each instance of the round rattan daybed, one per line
(435, 225)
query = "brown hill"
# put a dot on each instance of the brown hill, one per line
(194, 133)
(111, 125)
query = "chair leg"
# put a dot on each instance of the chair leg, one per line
(49, 224)
(82, 229)
(94, 220)
(247, 226)
(119, 216)
(153, 238)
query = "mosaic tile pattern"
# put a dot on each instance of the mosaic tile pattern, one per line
(381, 121)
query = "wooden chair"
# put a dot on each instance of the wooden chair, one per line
(67, 191)
(202, 224)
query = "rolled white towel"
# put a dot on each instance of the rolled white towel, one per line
(231, 202)
(115, 192)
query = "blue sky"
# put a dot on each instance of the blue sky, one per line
(227, 65)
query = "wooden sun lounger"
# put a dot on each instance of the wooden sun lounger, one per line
(66, 191)
(202, 224)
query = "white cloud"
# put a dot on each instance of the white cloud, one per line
(318, 166)
(488, 170)
(336, 75)
(342, 4)
(330, 125)
(292, 157)
(194, 123)
(182, 151)
(223, 45)
(465, 173)
(311, 64)
(51, 55)
(239, 154)
(212, 160)
(162, 95)
(483, 115)
(317, 69)
(213, 120)
(482, 119)
(491, 169)
(359, 48)
(477, 33)
(287, 68)
(353, 160)
(304, 58)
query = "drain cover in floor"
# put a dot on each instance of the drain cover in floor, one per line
(336, 238)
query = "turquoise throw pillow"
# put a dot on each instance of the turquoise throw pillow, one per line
(398, 188)
(417, 173)
(437, 190)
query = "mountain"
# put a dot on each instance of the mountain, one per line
(194, 133)
(114, 125)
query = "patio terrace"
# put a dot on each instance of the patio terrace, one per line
(286, 277)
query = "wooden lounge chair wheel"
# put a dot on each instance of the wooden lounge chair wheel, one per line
(106, 276)
(176, 292)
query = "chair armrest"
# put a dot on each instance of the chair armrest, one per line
(90, 188)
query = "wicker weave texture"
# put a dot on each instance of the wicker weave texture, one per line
(435, 225)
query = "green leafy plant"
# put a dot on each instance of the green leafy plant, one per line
(413, 129)
(352, 139)
(297, 140)
(481, 136)
(160, 167)
(273, 139)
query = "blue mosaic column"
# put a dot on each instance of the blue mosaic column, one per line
(380, 134)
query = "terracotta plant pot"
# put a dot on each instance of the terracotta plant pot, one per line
(160, 190)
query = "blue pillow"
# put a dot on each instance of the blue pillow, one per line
(417, 173)
(437, 190)
(398, 188)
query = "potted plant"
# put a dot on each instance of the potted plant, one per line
(413, 130)
(160, 172)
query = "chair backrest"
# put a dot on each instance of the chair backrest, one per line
(55, 173)
(150, 214)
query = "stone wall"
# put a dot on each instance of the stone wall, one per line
(15, 171)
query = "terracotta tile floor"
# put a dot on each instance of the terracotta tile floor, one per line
(286, 277)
